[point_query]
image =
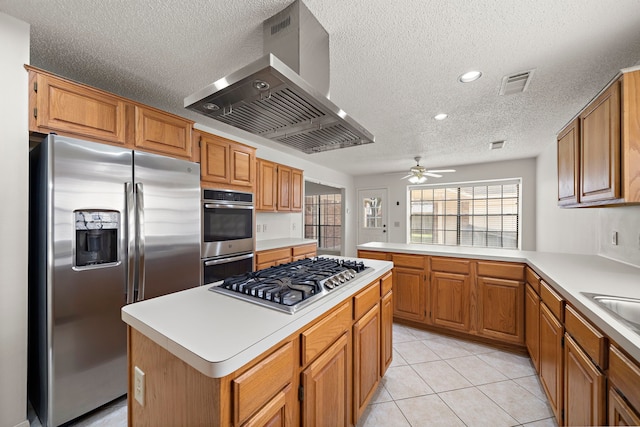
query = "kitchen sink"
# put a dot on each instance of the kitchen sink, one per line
(625, 309)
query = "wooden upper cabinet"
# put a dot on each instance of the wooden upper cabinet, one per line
(162, 133)
(267, 186)
(600, 147)
(569, 164)
(226, 163)
(297, 187)
(284, 188)
(69, 108)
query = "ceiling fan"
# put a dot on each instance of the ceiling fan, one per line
(418, 174)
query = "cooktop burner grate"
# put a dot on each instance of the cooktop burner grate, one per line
(289, 287)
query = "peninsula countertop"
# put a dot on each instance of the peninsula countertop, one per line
(569, 274)
(218, 334)
(264, 245)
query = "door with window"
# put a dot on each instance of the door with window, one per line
(372, 215)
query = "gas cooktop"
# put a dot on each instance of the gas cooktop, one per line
(290, 287)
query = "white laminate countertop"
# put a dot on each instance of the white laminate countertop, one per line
(569, 274)
(218, 334)
(264, 245)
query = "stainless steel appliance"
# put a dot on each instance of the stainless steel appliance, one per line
(293, 286)
(108, 226)
(227, 234)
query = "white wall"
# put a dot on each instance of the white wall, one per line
(397, 207)
(582, 230)
(281, 225)
(14, 174)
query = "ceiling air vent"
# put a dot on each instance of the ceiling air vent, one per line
(515, 83)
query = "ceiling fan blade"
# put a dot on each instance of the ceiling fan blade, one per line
(435, 175)
(408, 176)
(441, 170)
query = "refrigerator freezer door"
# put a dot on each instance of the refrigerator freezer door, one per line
(170, 192)
(86, 337)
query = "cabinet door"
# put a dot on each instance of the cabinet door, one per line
(409, 290)
(326, 387)
(600, 147)
(274, 413)
(450, 295)
(284, 188)
(551, 375)
(366, 359)
(501, 309)
(67, 107)
(532, 325)
(297, 185)
(243, 165)
(267, 186)
(162, 133)
(214, 159)
(386, 332)
(568, 164)
(620, 413)
(584, 388)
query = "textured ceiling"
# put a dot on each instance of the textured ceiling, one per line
(394, 64)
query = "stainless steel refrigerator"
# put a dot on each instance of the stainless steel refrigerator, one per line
(108, 226)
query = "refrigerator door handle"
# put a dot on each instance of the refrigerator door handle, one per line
(131, 241)
(140, 239)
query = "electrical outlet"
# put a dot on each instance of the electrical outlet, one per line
(293, 226)
(614, 238)
(258, 228)
(264, 227)
(138, 385)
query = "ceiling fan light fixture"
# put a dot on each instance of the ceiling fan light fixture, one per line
(470, 76)
(418, 179)
(441, 116)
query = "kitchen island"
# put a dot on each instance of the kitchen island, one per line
(210, 359)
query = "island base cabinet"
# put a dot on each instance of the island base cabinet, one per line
(620, 413)
(386, 332)
(326, 387)
(366, 357)
(274, 413)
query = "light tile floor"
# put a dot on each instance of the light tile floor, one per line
(434, 380)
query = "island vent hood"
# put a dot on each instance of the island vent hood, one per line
(283, 96)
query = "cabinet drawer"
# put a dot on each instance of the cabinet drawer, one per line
(533, 279)
(591, 340)
(272, 255)
(373, 255)
(304, 249)
(625, 376)
(322, 334)
(552, 300)
(449, 265)
(411, 261)
(386, 284)
(501, 270)
(366, 299)
(259, 384)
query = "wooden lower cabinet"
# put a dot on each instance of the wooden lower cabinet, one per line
(532, 325)
(551, 375)
(501, 309)
(584, 388)
(620, 413)
(326, 388)
(366, 359)
(409, 291)
(274, 413)
(386, 332)
(450, 298)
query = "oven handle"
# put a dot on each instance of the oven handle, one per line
(225, 206)
(227, 260)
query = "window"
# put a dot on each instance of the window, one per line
(484, 214)
(323, 220)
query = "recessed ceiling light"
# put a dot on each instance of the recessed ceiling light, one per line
(440, 116)
(469, 76)
(496, 145)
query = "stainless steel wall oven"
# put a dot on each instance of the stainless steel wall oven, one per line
(227, 234)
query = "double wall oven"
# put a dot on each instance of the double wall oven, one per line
(227, 234)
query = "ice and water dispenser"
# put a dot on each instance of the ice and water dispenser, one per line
(96, 237)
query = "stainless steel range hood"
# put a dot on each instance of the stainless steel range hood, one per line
(283, 96)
